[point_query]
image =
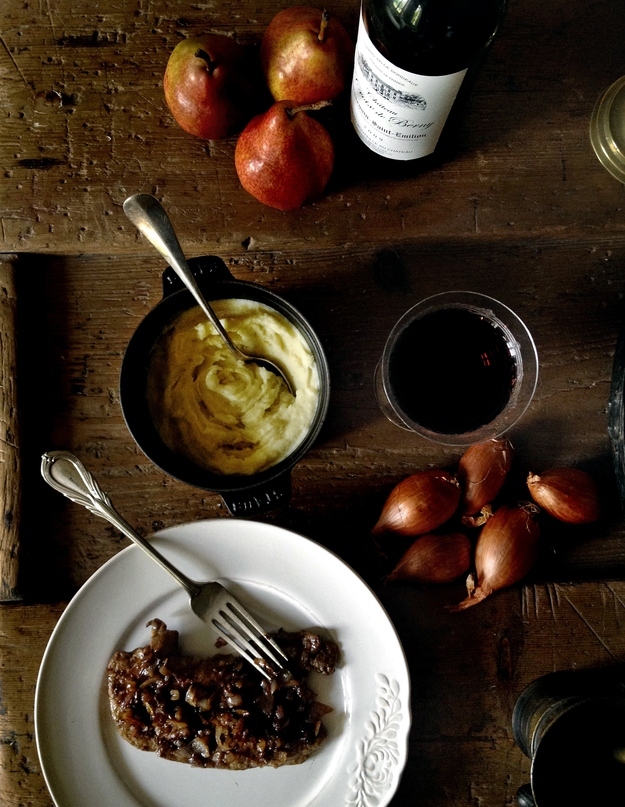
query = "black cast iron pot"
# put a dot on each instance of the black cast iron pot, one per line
(242, 495)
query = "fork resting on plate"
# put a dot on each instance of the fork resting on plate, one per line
(210, 601)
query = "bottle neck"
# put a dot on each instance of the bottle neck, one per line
(433, 37)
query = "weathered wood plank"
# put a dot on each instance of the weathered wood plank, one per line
(10, 467)
(467, 670)
(569, 295)
(85, 125)
(24, 633)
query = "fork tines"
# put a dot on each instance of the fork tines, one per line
(244, 633)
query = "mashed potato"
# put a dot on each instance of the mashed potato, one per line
(226, 415)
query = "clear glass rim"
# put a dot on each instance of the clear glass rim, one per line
(608, 151)
(520, 340)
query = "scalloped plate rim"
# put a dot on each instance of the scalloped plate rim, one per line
(282, 573)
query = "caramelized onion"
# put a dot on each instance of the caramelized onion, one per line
(434, 559)
(505, 552)
(483, 469)
(568, 494)
(420, 503)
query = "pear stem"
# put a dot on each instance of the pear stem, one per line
(203, 55)
(325, 19)
(307, 108)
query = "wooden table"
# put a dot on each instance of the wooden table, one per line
(524, 212)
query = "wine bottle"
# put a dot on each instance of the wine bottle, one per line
(413, 65)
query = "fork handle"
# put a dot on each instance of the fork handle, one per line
(66, 473)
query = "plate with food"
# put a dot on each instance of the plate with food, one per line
(138, 704)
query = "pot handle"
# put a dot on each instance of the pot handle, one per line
(207, 269)
(259, 499)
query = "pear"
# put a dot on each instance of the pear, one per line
(209, 87)
(284, 157)
(306, 56)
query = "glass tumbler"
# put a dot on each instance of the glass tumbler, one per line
(457, 368)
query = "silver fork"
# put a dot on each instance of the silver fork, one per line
(210, 601)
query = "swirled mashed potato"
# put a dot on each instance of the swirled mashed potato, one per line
(226, 415)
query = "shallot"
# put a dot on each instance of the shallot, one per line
(483, 469)
(568, 494)
(420, 503)
(506, 550)
(434, 559)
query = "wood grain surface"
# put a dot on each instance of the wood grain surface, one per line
(467, 668)
(10, 468)
(85, 125)
(523, 212)
(90, 306)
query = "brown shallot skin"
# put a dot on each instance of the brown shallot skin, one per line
(506, 550)
(434, 559)
(482, 470)
(568, 494)
(419, 504)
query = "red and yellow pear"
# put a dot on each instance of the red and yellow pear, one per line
(284, 157)
(209, 86)
(306, 55)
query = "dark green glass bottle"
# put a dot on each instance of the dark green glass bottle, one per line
(414, 64)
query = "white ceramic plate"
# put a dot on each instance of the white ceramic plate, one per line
(288, 581)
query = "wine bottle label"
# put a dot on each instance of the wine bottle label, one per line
(396, 113)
